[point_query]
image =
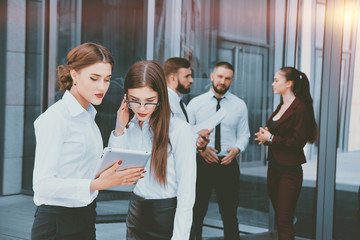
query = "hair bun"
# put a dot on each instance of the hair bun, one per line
(64, 77)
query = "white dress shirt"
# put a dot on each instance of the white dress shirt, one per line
(234, 129)
(180, 171)
(68, 147)
(174, 100)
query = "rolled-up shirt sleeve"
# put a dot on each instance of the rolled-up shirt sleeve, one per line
(50, 132)
(242, 130)
(185, 159)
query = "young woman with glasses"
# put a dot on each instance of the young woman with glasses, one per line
(162, 202)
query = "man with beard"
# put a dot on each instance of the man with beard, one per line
(217, 167)
(178, 79)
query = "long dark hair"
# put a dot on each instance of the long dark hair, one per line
(80, 57)
(301, 89)
(150, 74)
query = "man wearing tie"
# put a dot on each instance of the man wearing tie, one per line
(217, 166)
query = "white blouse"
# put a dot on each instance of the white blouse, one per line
(68, 147)
(180, 172)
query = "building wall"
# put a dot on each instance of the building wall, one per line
(14, 97)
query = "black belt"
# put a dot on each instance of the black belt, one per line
(165, 202)
(60, 209)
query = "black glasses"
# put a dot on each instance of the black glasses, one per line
(137, 105)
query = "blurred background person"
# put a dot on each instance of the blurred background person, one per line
(287, 131)
(217, 167)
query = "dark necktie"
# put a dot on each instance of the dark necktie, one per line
(217, 129)
(183, 109)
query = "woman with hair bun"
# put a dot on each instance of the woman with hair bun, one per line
(68, 148)
(287, 131)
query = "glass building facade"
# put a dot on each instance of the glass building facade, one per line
(258, 37)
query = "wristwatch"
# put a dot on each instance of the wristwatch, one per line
(271, 138)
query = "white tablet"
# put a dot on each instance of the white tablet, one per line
(130, 158)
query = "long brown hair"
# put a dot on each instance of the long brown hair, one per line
(301, 89)
(150, 74)
(80, 57)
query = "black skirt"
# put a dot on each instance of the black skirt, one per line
(55, 222)
(150, 219)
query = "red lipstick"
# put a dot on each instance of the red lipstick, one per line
(99, 95)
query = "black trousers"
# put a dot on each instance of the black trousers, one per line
(150, 219)
(63, 223)
(284, 188)
(225, 180)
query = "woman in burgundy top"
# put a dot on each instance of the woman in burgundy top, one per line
(287, 131)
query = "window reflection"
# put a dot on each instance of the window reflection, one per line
(310, 61)
(214, 31)
(33, 87)
(347, 194)
(121, 27)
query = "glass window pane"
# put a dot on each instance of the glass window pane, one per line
(159, 32)
(121, 27)
(67, 26)
(347, 194)
(320, 23)
(310, 58)
(33, 87)
(214, 31)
